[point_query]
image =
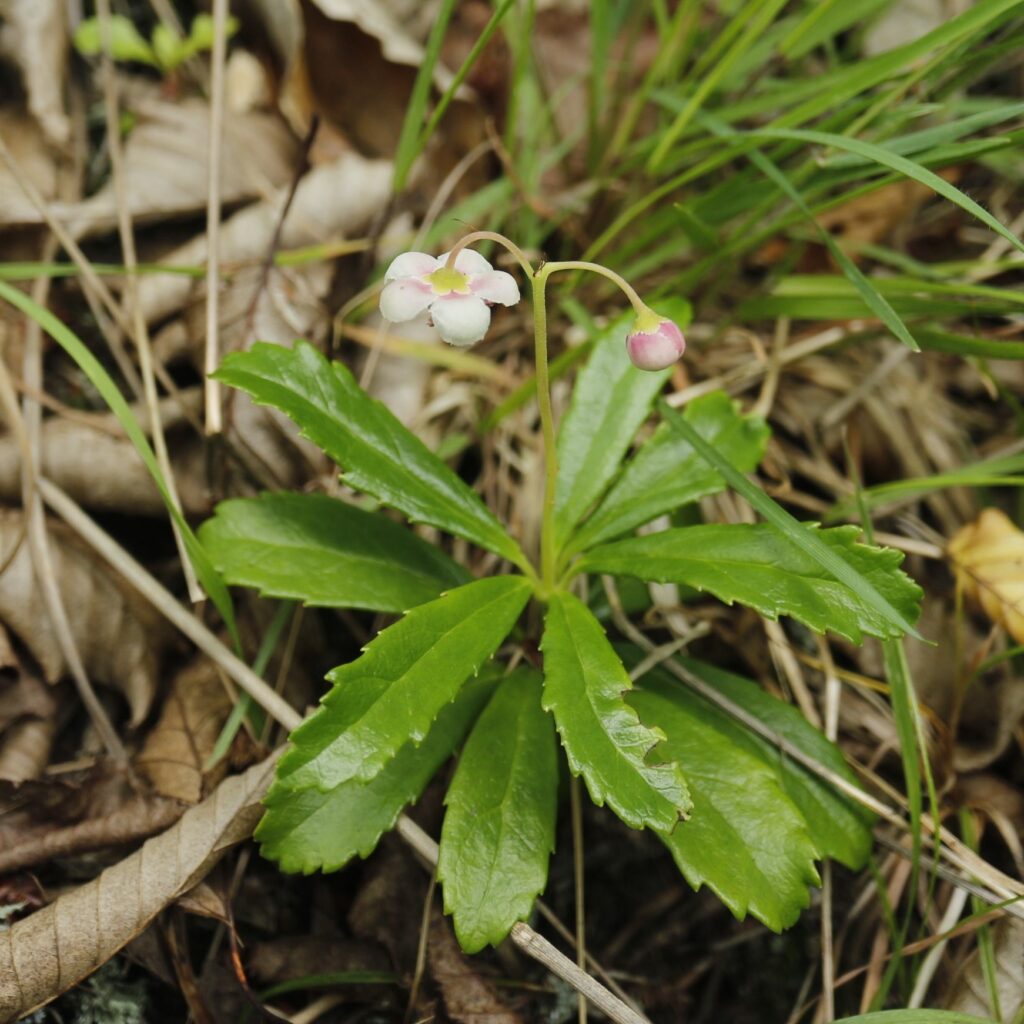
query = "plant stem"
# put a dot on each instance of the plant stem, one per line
(489, 236)
(547, 423)
(595, 268)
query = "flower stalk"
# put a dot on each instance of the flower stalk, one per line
(457, 290)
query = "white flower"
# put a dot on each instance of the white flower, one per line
(458, 301)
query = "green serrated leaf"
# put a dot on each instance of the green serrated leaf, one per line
(309, 830)
(808, 541)
(125, 41)
(376, 453)
(610, 400)
(667, 472)
(499, 828)
(326, 553)
(757, 566)
(585, 684)
(406, 675)
(744, 837)
(839, 827)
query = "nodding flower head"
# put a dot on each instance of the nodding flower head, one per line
(655, 342)
(458, 300)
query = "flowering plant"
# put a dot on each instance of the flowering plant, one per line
(652, 735)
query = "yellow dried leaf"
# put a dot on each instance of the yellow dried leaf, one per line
(987, 557)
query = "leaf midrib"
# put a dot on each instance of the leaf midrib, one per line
(498, 537)
(620, 752)
(374, 559)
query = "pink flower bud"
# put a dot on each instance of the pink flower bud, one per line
(655, 343)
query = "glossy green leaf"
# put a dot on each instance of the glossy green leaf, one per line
(376, 453)
(808, 541)
(839, 827)
(309, 830)
(326, 553)
(406, 675)
(758, 566)
(499, 827)
(667, 472)
(610, 400)
(744, 838)
(585, 684)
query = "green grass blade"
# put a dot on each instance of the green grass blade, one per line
(875, 301)
(409, 138)
(897, 163)
(208, 576)
(460, 76)
(761, 19)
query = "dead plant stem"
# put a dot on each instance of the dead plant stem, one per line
(214, 421)
(140, 332)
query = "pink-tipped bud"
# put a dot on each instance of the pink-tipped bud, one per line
(655, 343)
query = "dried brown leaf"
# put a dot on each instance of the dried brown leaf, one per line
(35, 162)
(91, 459)
(119, 636)
(33, 843)
(206, 901)
(988, 559)
(57, 947)
(25, 749)
(969, 993)
(333, 201)
(469, 997)
(35, 36)
(174, 753)
(165, 163)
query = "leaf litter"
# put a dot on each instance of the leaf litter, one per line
(73, 818)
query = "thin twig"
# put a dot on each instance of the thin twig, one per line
(167, 605)
(543, 952)
(214, 422)
(576, 809)
(140, 332)
(94, 286)
(27, 425)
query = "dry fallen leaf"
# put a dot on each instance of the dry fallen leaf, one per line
(165, 163)
(25, 749)
(174, 753)
(333, 201)
(469, 997)
(35, 36)
(27, 843)
(56, 947)
(35, 162)
(987, 557)
(969, 994)
(119, 636)
(91, 459)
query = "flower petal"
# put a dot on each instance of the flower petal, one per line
(411, 264)
(461, 319)
(468, 261)
(657, 349)
(405, 299)
(495, 286)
